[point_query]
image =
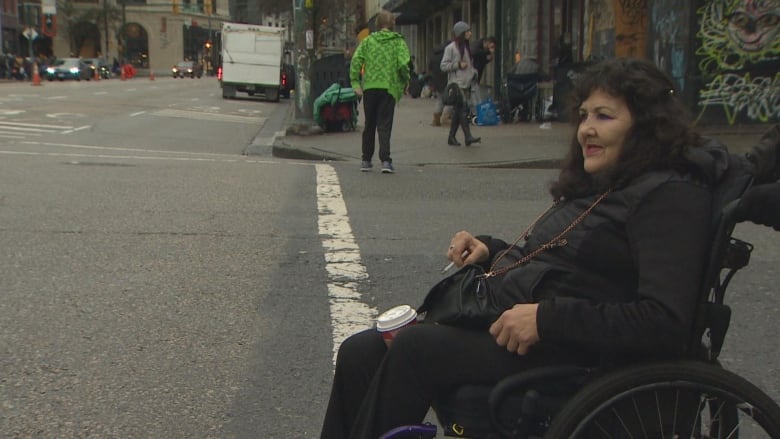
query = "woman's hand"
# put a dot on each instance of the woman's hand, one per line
(516, 328)
(463, 64)
(466, 249)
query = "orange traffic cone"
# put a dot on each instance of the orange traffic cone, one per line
(97, 74)
(151, 75)
(36, 79)
(124, 76)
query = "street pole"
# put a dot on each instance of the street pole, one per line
(211, 44)
(2, 47)
(105, 26)
(304, 53)
(124, 35)
(30, 35)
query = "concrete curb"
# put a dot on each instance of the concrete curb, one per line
(273, 129)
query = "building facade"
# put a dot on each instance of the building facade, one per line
(723, 54)
(150, 34)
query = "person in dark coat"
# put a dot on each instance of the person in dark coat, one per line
(636, 210)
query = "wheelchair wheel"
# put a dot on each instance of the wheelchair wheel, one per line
(669, 400)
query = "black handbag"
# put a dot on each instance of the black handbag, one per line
(462, 299)
(465, 299)
(452, 95)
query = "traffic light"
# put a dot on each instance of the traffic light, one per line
(207, 44)
(175, 7)
(207, 7)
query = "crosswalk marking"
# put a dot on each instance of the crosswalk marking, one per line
(349, 311)
(11, 135)
(20, 130)
(35, 125)
(209, 116)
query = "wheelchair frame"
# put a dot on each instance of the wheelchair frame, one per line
(524, 98)
(574, 402)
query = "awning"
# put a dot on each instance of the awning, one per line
(415, 11)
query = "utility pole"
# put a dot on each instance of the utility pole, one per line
(30, 31)
(304, 53)
(209, 43)
(123, 53)
(105, 26)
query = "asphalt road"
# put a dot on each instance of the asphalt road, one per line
(156, 283)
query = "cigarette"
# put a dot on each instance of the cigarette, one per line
(452, 263)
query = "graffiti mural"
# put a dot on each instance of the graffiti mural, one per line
(739, 57)
(601, 30)
(758, 98)
(670, 36)
(630, 28)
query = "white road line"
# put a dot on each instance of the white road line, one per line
(196, 115)
(136, 157)
(138, 113)
(27, 130)
(342, 261)
(116, 148)
(76, 129)
(12, 136)
(36, 125)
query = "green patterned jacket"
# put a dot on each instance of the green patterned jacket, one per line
(384, 59)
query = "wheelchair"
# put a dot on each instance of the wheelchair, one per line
(693, 397)
(519, 98)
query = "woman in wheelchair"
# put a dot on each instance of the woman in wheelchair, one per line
(634, 199)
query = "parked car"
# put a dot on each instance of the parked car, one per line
(68, 68)
(187, 68)
(99, 64)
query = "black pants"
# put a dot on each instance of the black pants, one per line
(376, 389)
(379, 107)
(460, 115)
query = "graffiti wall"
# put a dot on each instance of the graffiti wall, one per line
(630, 28)
(668, 32)
(738, 61)
(600, 25)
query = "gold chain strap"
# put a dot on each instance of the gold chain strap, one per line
(557, 241)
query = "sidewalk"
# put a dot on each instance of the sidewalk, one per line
(415, 142)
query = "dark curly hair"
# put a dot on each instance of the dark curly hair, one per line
(660, 137)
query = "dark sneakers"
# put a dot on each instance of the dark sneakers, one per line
(365, 166)
(387, 168)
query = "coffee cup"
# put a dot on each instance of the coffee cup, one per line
(393, 320)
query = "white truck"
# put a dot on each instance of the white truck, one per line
(251, 60)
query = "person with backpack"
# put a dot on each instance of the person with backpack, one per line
(458, 63)
(438, 80)
(483, 51)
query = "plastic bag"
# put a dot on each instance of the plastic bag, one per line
(486, 113)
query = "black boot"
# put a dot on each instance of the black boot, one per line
(451, 140)
(464, 123)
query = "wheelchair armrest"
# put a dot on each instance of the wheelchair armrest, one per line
(565, 380)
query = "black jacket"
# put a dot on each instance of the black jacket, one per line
(629, 276)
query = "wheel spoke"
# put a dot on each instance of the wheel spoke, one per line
(622, 423)
(699, 418)
(658, 411)
(603, 430)
(638, 414)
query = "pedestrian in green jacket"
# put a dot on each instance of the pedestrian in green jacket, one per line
(379, 73)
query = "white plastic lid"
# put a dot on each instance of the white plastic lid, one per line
(395, 318)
